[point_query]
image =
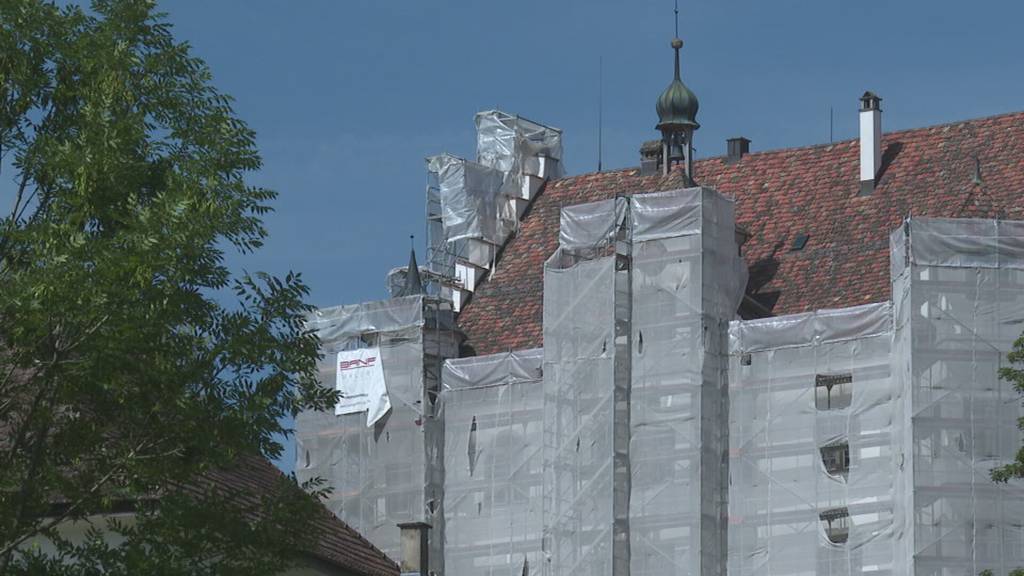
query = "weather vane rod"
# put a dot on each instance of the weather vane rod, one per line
(677, 17)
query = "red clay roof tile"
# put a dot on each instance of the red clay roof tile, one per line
(812, 190)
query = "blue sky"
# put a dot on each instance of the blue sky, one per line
(348, 97)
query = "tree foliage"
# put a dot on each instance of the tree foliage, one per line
(122, 375)
(1014, 374)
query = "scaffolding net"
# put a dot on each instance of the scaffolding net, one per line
(492, 408)
(687, 283)
(391, 472)
(580, 298)
(516, 146)
(814, 445)
(958, 288)
(637, 301)
(469, 200)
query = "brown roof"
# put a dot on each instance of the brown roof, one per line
(336, 543)
(779, 194)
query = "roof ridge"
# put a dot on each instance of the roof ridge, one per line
(846, 141)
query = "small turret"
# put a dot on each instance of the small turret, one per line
(677, 119)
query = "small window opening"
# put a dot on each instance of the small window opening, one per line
(837, 524)
(745, 360)
(799, 242)
(837, 459)
(833, 391)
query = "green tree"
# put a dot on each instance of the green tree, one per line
(1014, 374)
(123, 378)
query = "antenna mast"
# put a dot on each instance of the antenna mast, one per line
(600, 110)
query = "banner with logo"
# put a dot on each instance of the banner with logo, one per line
(361, 383)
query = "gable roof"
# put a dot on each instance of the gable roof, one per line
(336, 542)
(780, 194)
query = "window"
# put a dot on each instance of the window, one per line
(837, 524)
(837, 459)
(833, 391)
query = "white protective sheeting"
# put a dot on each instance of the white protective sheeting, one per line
(391, 472)
(492, 407)
(579, 416)
(471, 201)
(824, 392)
(505, 141)
(687, 281)
(966, 242)
(958, 288)
(636, 305)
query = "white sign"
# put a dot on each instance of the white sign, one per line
(361, 383)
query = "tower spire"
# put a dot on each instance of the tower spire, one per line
(677, 116)
(413, 283)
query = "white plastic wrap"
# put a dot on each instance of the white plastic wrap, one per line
(635, 376)
(579, 417)
(687, 281)
(471, 201)
(392, 472)
(492, 407)
(783, 422)
(505, 141)
(958, 289)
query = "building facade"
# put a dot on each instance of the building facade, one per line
(791, 368)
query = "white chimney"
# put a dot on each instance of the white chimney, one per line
(870, 141)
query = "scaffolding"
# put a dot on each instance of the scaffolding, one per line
(492, 408)
(637, 300)
(473, 207)
(815, 480)
(958, 288)
(392, 472)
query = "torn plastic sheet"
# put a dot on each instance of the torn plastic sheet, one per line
(492, 409)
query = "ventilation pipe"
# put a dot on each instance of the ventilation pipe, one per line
(870, 141)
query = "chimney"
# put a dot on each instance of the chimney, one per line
(415, 558)
(870, 141)
(650, 158)
(736, 148)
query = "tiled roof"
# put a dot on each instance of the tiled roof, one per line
(779, 194)
(336, 542)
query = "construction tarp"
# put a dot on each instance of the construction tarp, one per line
(814, 446)
(392, 471)
(958, 289)
(492, 408)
